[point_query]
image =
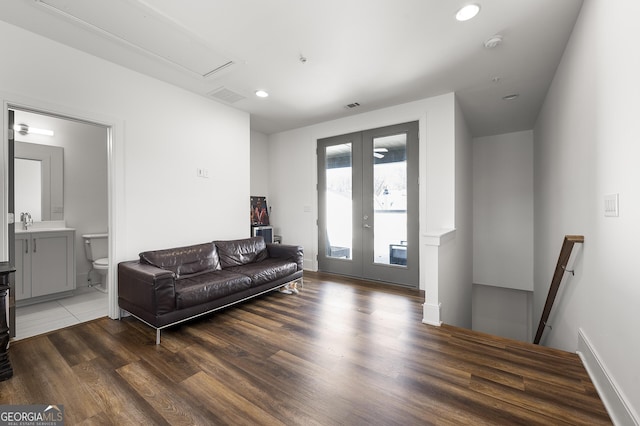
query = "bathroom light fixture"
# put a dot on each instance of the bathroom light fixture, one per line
(261, 94)
(24, 129)
(467, 12)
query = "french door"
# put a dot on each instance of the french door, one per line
(368, 204)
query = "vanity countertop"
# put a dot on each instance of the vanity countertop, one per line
(35, 230)
(47, 226)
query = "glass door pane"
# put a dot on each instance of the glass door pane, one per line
(338, 201)
(390, 204)
(390, 200)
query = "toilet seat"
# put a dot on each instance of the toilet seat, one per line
(102, 263)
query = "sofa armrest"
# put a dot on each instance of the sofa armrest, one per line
(146, 286)
(288, 252)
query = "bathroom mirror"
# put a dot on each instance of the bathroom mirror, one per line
(39, 182)
(29, 197)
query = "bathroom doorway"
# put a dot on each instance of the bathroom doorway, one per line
(61, 192)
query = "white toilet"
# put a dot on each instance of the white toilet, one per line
(96, 248)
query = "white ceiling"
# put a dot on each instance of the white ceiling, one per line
(377, 53)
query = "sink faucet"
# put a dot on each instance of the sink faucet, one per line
(26, 220)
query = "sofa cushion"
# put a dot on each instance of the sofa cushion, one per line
(184, 260)
(266, 270)
(201, 288)
(241, 252)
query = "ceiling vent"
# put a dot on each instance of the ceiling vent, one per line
(225, 95)
(352, 105)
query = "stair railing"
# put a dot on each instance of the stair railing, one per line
(561, 268)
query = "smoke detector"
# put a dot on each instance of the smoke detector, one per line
(493, 41)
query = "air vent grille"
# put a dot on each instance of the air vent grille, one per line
(225, 95)
(352, 105)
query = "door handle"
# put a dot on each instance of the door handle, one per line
(34, 245)
(26, 246)
(366, 225)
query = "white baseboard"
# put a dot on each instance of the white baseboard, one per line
(431, 314)
(620, 411)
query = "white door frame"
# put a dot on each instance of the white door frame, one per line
(115, 184)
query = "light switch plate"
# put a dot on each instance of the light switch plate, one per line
(611, 205)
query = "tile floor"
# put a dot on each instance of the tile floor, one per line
(43, 317)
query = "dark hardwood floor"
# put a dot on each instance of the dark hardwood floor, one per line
(342, 352)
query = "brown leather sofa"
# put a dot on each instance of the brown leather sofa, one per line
(166, 287)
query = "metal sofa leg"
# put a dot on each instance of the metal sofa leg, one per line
(157, 336)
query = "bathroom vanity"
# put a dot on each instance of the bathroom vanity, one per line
(45, 264)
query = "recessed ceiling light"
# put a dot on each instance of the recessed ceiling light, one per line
(261, 94)
(467, 12)
(510, 97)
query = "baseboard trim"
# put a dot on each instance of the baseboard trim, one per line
(619, 410)
(431, 314)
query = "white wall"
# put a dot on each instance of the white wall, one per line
(260, 165)
(86, 189)
(503, 210)
(294, 195)
(456, 257)
(162, 134)
(586, 146)
(502, 311)
(503, 234)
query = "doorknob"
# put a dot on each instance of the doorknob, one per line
(366, 225)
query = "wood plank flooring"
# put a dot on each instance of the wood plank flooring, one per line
(342, 352)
